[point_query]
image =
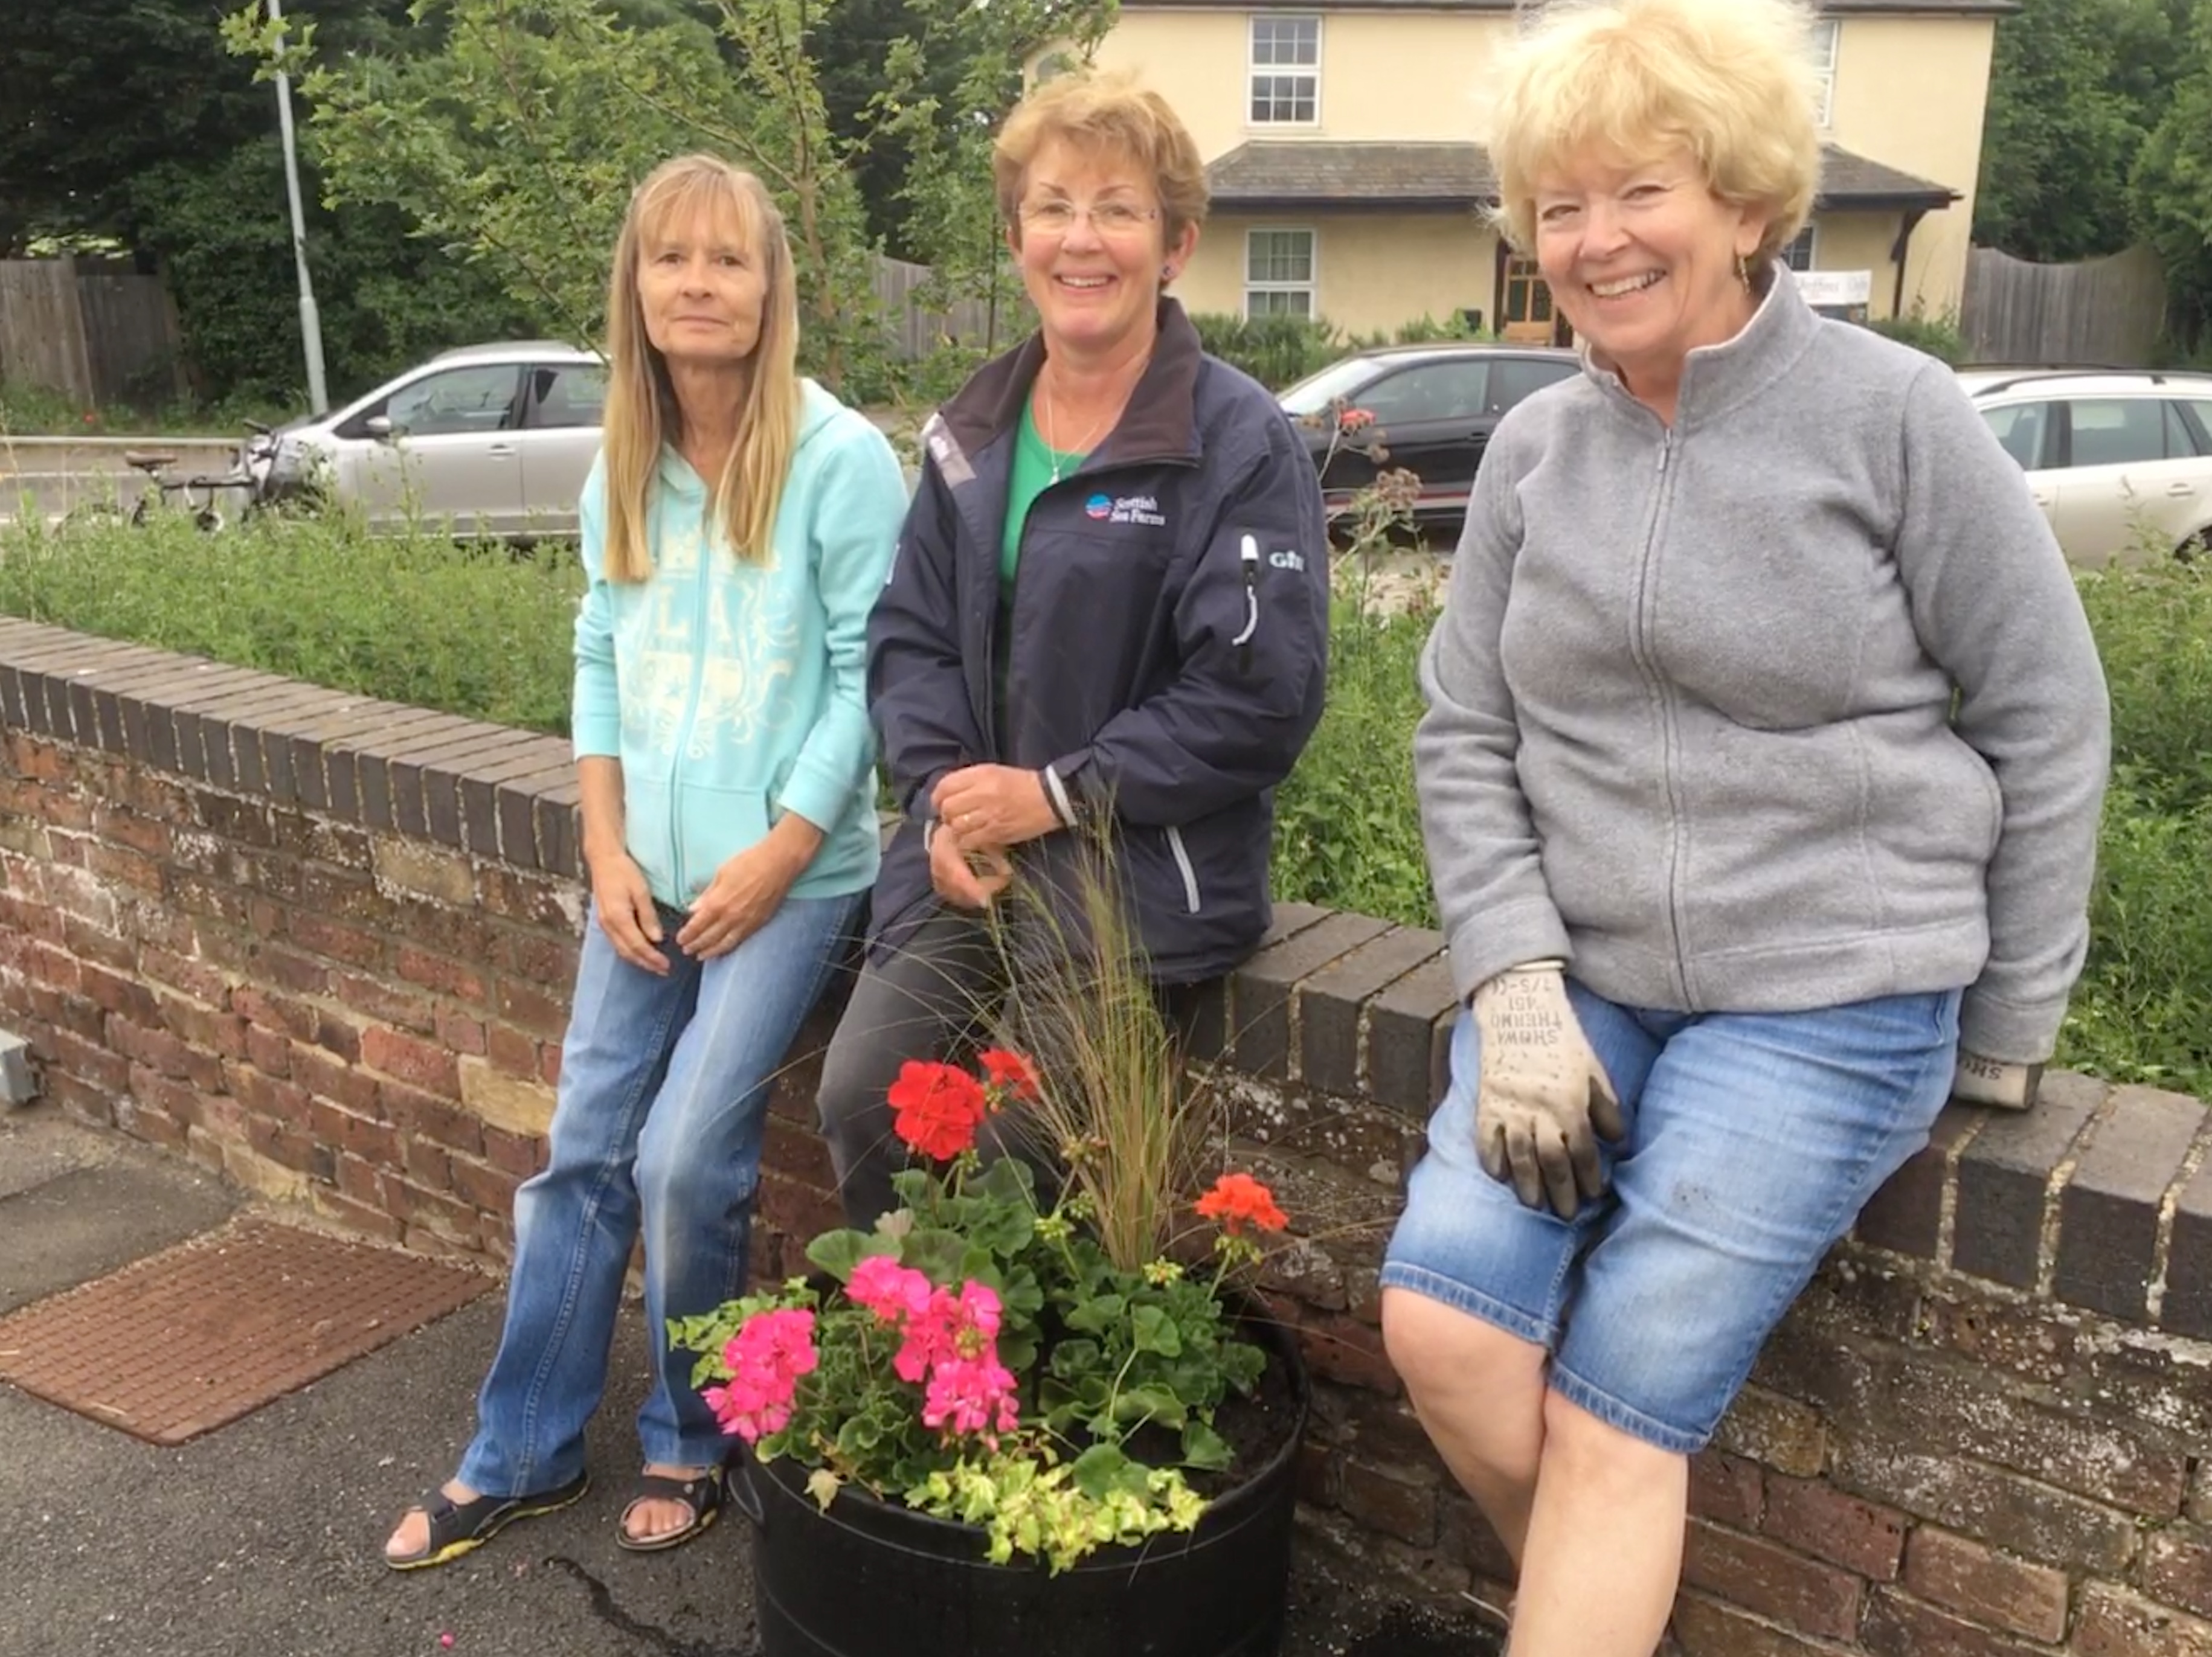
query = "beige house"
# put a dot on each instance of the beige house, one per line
(1345, 183)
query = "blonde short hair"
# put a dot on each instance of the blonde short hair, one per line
(642, 412)
(1103, 112)
(1733, 82)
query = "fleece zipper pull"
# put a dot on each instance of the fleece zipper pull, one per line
(1249, 556)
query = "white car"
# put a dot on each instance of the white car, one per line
(495, 439)
(2119, 459)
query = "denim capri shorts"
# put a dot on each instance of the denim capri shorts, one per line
(1753, 1140)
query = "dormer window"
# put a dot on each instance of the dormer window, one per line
(1286, 71)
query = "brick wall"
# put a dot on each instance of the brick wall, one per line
(324, 944)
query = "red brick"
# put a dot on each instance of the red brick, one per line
(318, 935)
(1342, 1349)
(524, 898)
(414, 1112)
(427, 1162)
(514, 1153)
(485, 1187)
(441, 1216)
(269, 1051)
(547, 961)
(325, 1077)
(2176, 1569)
(282, 1144)
(80, 1100)
(100, 943)
(549, 1064)
(164, 1095)
(533, 1008)
(1962, 1574)
(795, 1209)
(379, 1002)
(362, 1183)
(339, 1035)
(1898, 1626)
(511, 1050)
(1400, 1502)
(151, 1126)
(2115, 1623)
(95, 1066)
(418, 1063)
(1704, 1628)
(1800, 1592)
(288, 969)
(147, 835)
(460, 1032)
(793, 1151)
(119, 994)
(441, 973)
(353, 1135)
(165, 1053)
(203, 1026)
(270, 1010)
(124, 867)
(1820, 1520)
(1726, 1489)
(266, 1095)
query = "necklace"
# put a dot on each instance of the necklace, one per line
(1083, 445)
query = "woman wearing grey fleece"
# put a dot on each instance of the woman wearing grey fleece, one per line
(1760, 781)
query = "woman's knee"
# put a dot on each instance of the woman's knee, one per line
(1442, 1354)
(1591, 1449)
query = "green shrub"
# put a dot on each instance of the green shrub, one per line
(2154, 628)
(1938, 335)
(1275, 350)
(415, 618)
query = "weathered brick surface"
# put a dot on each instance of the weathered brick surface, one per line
(325, 946)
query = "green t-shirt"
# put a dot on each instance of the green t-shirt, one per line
(1034, 465)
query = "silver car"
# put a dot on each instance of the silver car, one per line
(497, 440)
(2119, 459)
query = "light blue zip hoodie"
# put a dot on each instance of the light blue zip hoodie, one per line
(732, 692)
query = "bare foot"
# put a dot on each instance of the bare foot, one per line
(414, 1533)
(651, 1516)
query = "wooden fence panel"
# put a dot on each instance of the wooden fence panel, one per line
(2108, 311)
(915, 332)
(42, 328)
(94, 333)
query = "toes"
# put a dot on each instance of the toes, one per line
(412, 1536)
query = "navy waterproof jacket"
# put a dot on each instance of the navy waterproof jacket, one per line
(1165, 659)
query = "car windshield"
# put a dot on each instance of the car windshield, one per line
(1313, 394)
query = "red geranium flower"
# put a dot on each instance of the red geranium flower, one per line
(1236, 1198)
(939, 1107)
(1009, 1071)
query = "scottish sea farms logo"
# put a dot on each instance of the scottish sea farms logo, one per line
(1124, 509)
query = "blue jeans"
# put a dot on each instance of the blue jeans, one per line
(1754, 1141)
(657, 1128)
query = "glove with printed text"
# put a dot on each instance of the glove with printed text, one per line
(1542, 1100)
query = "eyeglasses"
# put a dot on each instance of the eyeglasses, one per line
(1107, 218)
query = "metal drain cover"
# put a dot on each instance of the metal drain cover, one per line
(192, 1338)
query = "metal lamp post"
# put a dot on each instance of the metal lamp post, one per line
(310, 326)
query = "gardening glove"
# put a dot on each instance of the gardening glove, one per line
(1979, 1080)
(1542, 1099)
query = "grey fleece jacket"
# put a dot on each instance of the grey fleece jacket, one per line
(1691, 701)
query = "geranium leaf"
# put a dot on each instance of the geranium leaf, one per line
(1097, 1316)
(1155, 1331)
(823, 1486)
(1204, 1447)
(1071, 1358)
(938, 1255)
(1103, 1469)
(838, 1252)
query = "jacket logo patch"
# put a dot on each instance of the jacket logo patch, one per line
(1127, 509)
(1288, 558)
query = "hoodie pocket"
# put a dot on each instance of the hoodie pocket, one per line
(713, 825)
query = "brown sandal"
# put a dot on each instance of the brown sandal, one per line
(702, 1493)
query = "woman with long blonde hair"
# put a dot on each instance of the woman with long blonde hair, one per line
(735, 529)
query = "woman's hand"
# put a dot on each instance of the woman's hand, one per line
(623, 902)
(994, 806)
(966, 876)
(744, 892)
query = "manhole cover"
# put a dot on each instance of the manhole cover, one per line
(187, 1340)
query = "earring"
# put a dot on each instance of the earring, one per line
(1743, 268)
(1167, 273)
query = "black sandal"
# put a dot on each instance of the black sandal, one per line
(702, 1493)
(459, 1527)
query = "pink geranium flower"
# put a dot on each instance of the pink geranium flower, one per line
(765, 1359)
(889, 1290)
(971, 1395)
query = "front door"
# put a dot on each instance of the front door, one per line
(1525, 315)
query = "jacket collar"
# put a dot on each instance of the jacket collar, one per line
(1158, 423)
(1716, 377)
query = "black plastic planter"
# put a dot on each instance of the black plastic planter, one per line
(871, 1579)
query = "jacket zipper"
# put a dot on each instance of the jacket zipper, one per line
(1182, 862)
(691, 712)
(1640, 650)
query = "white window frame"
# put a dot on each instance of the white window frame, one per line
(1827, 41)
(1310, 287)
(1810, 238)
(1253, 69)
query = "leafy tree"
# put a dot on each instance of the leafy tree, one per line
(2076, 87)
(2172, 189)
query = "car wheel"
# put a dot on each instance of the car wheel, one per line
(2198, 548)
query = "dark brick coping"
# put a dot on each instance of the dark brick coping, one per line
(2100, 1199)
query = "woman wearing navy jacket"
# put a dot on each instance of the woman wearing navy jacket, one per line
(1109, 611)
